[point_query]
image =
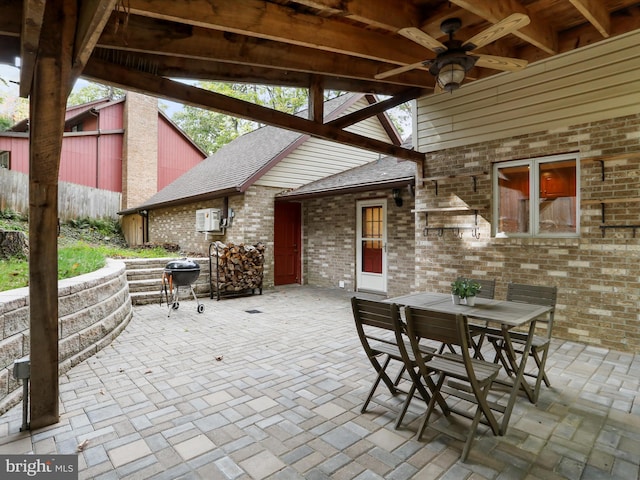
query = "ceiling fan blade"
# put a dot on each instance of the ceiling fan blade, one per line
(396, 71)
(505, 26)
(416, 35)
(499, 63)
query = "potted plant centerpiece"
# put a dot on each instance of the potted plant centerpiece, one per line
(464, 290)
(457, 291)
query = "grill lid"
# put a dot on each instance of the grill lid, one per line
(183, 264)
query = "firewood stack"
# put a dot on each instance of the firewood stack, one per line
(236, 269)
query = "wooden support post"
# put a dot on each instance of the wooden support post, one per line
(49, 91)
(316, 100)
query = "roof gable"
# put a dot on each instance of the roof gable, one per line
(237, 165)
(387, 172)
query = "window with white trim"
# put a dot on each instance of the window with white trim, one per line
(537, 197)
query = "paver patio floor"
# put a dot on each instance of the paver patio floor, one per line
(276, 393)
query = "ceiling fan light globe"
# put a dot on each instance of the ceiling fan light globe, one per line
(451, 76)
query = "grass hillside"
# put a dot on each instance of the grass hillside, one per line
(83, 247)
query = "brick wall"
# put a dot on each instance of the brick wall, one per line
(140, 149)
(598, 277)
(329, 238)
(178, 225)
(253, 223)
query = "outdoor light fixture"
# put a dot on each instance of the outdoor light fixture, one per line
(451, 76)
(451, 65)
(397, 197)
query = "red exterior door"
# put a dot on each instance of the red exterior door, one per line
(286, 241)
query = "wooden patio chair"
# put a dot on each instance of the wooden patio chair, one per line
(469, 379)
(376, 324)
(536, 295)
(488, 287)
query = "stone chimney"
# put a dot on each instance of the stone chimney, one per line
(139, 149)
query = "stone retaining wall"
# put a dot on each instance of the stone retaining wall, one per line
(93, 309)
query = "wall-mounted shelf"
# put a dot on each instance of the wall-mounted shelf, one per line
(604, 228)
(473, 176)
(457, 230)
(606, 201)
(445, 210)
(603, 159)
(611, 200)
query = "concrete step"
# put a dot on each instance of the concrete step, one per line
(151, 297)
(145, 285)
(144, 276)
(146, 263)
(138, 274)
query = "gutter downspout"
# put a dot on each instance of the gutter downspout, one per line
(95, 114)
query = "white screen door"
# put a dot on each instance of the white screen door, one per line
(371, 251)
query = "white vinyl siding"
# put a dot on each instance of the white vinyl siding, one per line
(316, 158)
(590, 84)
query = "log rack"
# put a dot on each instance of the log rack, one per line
(229, 289)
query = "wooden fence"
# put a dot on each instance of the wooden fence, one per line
(74, 201)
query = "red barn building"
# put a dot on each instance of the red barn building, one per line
(127, 146)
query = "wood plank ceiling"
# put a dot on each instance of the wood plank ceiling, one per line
(316, 44)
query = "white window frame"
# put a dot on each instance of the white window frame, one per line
(534, 196)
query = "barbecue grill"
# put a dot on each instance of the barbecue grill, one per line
(179, 273)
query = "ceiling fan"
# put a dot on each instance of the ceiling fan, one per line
(453, 59)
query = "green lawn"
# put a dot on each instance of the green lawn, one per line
(83, 247)
(73, 260)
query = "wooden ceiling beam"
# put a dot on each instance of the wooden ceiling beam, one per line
(372, 12)
(596, 12)
(92, 18)
(9, 12)
(159, 37)
(270, 21)
(194, 69)
(537, 33)
(160, 86)
(583, 35)
(32, 18)
(377, 108)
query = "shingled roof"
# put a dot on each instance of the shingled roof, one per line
(234, 167)
(387, 172)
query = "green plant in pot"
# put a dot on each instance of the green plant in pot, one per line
(464, 290)
(457, 291)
